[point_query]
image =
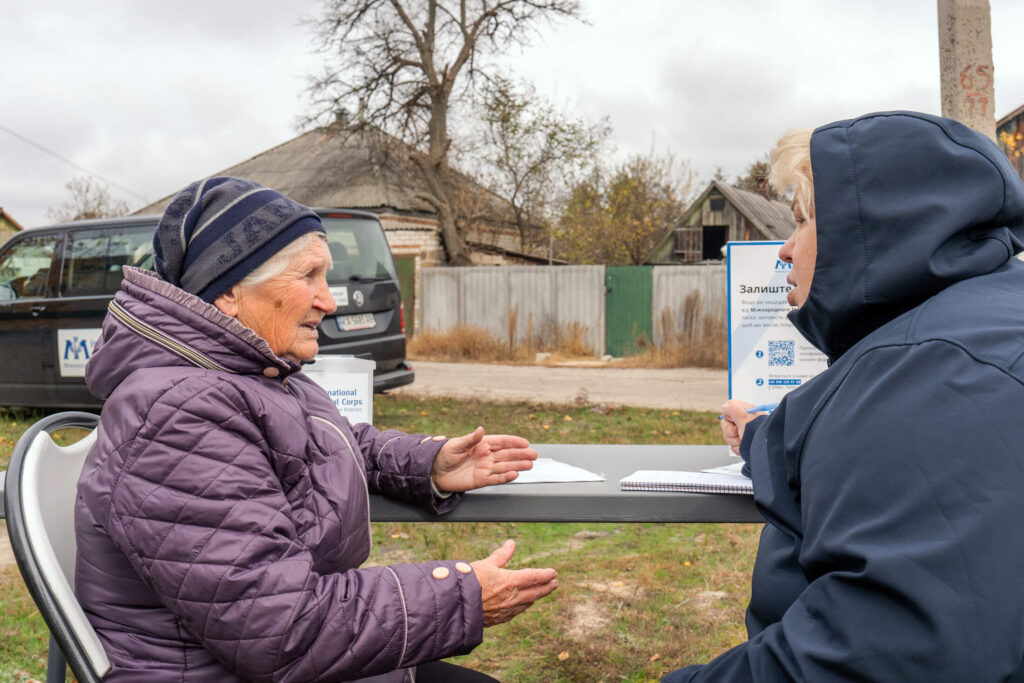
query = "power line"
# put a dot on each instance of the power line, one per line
(71, 163)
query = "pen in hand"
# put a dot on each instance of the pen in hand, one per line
(763, 408)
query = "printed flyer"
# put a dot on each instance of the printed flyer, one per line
(768, 357)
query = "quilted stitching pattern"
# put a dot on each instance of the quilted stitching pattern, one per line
(221, 528)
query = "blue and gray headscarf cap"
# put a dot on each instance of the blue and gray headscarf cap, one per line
(218, 230)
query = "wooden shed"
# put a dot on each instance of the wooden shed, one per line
(722, 213)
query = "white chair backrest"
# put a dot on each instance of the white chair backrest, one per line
(49, 490)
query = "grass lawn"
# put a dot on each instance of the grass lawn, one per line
(634, 600)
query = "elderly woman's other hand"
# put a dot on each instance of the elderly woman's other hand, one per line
(734, 419)
(506, 593)
(476, 460)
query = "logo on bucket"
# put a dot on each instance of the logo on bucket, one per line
(348, 382)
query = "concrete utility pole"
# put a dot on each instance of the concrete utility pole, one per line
(965, 63)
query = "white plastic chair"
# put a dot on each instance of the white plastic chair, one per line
(39, 499)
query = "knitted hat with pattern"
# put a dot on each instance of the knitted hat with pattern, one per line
(218, 230)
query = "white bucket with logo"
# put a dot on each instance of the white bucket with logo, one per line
(348, 381)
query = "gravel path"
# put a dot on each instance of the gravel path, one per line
(672, 389)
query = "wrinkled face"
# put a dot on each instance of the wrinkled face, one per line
(801, 249)
(286, 309)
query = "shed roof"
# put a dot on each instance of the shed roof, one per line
(774, 219)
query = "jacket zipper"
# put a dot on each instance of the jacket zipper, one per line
(173, 345)
(359, 467)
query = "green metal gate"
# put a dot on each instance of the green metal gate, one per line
(627, 308)
(406, 267)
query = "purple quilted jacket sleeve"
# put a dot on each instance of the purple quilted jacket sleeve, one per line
(399, 465)
(205, 520)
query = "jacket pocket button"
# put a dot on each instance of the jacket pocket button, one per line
(440, 573)
(463, 567)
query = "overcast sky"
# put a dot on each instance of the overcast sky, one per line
(152, 95)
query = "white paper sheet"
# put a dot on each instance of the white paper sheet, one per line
(550, 470)
(734, 468)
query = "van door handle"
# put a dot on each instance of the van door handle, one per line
(36, 310)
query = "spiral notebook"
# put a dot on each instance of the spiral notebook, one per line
(688, 482)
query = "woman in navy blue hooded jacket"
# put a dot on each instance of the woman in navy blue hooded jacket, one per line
(893, 483)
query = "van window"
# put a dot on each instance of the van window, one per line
(93, 260)
(358, 249)
(25, 268)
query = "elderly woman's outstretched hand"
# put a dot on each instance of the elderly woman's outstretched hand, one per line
(504, 592)
(475, 460)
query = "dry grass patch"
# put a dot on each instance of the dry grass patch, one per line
(692, 338)
(472, 343)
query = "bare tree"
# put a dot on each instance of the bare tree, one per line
(89, 199)
(533, 153)
(400, 64)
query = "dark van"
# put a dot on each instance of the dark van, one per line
(56, 282)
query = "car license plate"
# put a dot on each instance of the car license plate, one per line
(361, 321)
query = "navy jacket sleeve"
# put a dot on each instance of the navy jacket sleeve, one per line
(910, 482)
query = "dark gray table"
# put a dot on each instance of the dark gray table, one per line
(593, 501)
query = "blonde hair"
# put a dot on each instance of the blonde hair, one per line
(276, 264)
(791, 169)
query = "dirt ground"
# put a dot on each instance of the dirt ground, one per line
(670, 389)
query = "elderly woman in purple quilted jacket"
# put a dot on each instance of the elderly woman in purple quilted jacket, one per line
(223, 513)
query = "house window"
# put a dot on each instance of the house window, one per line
(716, 204)
(714, 240)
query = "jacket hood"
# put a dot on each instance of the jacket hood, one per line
(152, 323)
(906, 204)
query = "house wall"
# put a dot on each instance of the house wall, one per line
(7, 229)
(413, 236)
(420, 237)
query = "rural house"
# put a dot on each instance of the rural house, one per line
(722, 213)
(337, 166)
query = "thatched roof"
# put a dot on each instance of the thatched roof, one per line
(335, 166)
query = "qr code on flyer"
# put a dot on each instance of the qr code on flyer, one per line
(781, 353)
